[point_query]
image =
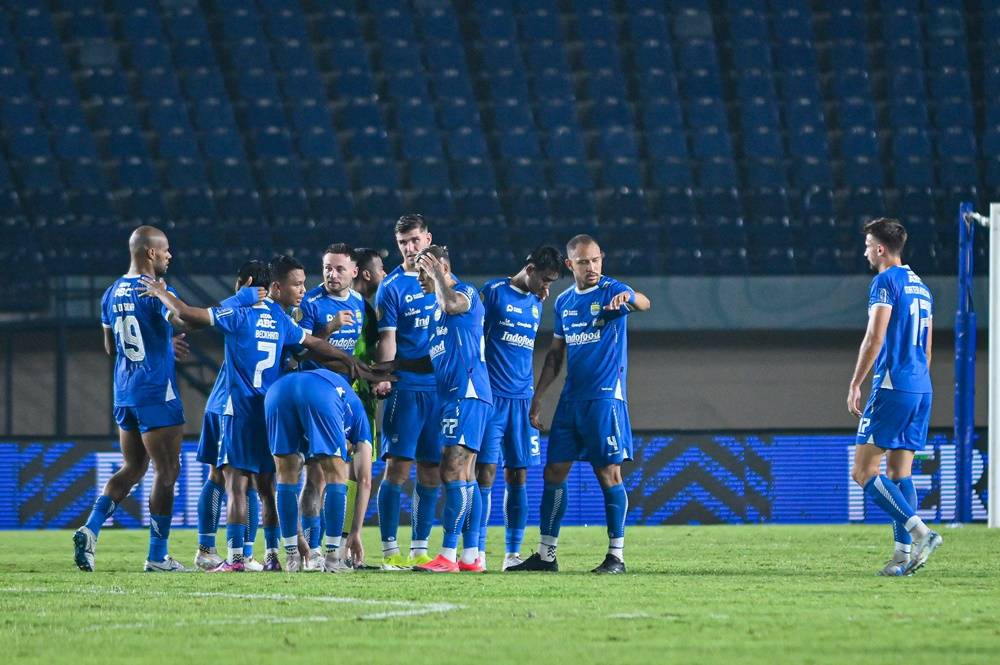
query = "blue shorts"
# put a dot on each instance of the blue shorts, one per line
(208, 443)
(597, 431)
(411, 426)
(145, 418)
(509, 435)
(305, 415)
(243, 441)
(895, 420)
(463, 422)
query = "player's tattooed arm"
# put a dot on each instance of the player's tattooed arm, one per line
(878, 323)
(450, 300)
(554, 359)
(182, 314)
(634, 300)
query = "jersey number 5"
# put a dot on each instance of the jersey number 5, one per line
(130, 338)
(267, 362)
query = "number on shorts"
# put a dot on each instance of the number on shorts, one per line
(448, 426)
(536, 448)
(130, 337)
(863, 425)
(613, 443)
(267, 362)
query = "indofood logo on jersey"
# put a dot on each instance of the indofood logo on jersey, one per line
(437, 349)
(522, 341)
(574, 339)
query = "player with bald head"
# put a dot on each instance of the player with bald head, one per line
(147, 408)
(591, 421)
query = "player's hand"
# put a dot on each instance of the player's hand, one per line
(261, 291)
(617, 301)
(181, 348)
(433, 266)
(152, 288)
(374, 375)
(545, 293)
(534, 415)
(854, 400)
(343, 318)
(355, 550)
(382, 389)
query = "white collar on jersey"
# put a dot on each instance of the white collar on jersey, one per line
(511, 285)
(587, 290)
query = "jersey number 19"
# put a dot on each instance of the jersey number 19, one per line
(130, 338)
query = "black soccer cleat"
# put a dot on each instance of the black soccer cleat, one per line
(612, 565)
(534, 564)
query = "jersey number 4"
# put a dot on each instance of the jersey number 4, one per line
(130, 338)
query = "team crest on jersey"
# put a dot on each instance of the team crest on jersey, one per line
(357, 315)
(534, 311)
(437, 314)
(595, 308)
(297, 314)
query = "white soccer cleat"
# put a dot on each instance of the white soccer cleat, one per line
(168, 565)
(893, 568)
(314, 563)
(84, 542)
(251, 565)
(208, 560)
(511, 560)
(293, 563)
(922, 550)
(334, 564)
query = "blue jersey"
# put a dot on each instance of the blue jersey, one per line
(216, 402)
(902, 362)
(400, 305)
(255, 337)
(510, 326)
(319, 308)
(357, 428)
(144, 362)
(458, 351)
(596, 341)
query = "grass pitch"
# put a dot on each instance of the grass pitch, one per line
(705, 594)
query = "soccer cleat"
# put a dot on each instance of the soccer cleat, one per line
(226, 567)
(251, 565)
(893, 568)
(438, 565)
(272, 564)
(511, 560)
(207, 560)
(168, 565)
(84, 542)
(395, 562)
(922, 550)
(313, 563)
(611, 565)
(534, 563)
(293, 563)
(419, 560)
(337, 565)
(474, 567)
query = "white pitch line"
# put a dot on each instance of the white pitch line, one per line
(212, 622)
(410, 608)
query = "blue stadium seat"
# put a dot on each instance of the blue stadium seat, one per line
(279, 172)
(472, 173)
(711, 142)
(429, 173)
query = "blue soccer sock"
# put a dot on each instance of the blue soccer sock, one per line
(900, 535)
(253, 522)
(287, 498)
(424, 503)
(473, 516)
(334, 510)
(312, 530)
(159, 532)
(515, 516)
(103, 508)
(388, 516)
(615, 508)
(234, 542)
(456, 505)
(554, 497)
(486, 496)
(887, 496)
(209, 510)
(272, 538)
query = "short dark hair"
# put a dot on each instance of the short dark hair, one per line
(577, 240)
(364, 256)
(257, 271)
(547, 258)
(440, 252)
(888, 232)
(410, 222)
(340, 248)
(283, 264)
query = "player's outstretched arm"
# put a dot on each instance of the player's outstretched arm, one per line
(341, 362)
(634, 300)
(181, 313)
(642, 302)
(554, 359)
(878, 323)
